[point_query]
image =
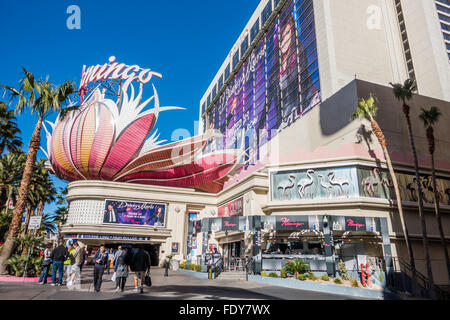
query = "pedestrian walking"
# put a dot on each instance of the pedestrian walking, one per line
(116, 257)
(68, 262)
(83, 259)
(76, 258)
(166, 266)
(110, 260)
(140, 265)
(122, 269)
(58, 256)
(100, 261)
(46, 263)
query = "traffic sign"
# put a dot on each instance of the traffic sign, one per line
(35, 222)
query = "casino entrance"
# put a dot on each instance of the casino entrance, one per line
(152, 249)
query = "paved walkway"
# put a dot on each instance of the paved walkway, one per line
(177, 286)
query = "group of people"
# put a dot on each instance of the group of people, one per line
(70, 261)
(65, 260)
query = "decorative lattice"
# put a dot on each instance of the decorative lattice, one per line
(86, 212)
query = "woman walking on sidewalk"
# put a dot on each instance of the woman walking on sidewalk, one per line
(122, 263)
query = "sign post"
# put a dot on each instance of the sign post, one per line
(34, 224)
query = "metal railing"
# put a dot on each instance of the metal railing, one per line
(234, 264)
(402, 281)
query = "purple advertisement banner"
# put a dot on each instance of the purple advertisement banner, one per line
(134, 213)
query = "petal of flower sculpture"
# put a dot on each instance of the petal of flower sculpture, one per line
(110, 141)
(104, 138)
(127, 146)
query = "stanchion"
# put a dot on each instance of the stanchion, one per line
(363, 276)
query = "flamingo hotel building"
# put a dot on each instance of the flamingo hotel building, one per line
(304, 181)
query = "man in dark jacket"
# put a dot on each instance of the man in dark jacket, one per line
(100, 261)
(58, 256)
(140, 264)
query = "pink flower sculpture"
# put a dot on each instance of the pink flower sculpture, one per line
(109, 141)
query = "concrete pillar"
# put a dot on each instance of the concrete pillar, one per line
(329, 245)
(386, 247)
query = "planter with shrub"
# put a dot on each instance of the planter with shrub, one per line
(325, 277)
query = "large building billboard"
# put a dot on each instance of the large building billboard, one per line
(134, 213)
(276, 85)
(232, 209)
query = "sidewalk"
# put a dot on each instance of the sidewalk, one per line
(177, 286)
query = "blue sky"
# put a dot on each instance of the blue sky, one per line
(186, 41)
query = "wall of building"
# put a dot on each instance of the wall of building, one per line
(431, 63)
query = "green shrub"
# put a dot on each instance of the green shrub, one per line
(343, 270)
(263, 274)
(183, 265)
(273, 275)
(296, 266)
(355, 283)
(338, 281)
(312, 276)
(283, 274)
(198, 268)
(325, 277)
(302, 277)
(16, 264)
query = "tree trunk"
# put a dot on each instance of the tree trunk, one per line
(14, 228)
(39, 212)
(421, 207)
(382, 140)
(40, 208)
(438, 217)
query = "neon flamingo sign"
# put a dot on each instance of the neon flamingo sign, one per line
(286, 222)
(351, 223)
(228, 224)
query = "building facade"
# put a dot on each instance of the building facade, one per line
(311, 183)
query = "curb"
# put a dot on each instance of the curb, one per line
(20, 279)
(200, 275)
(319, 287)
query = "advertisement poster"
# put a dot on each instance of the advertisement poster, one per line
(193, 216)
(134, 213)
(232, 209)
(175, 247)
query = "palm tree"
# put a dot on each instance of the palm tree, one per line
(41, 97)
(430, 118)
(404, 93)
(11, 168)
(9, 132)
(62, 210)
(368, 109)
(41, 191)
